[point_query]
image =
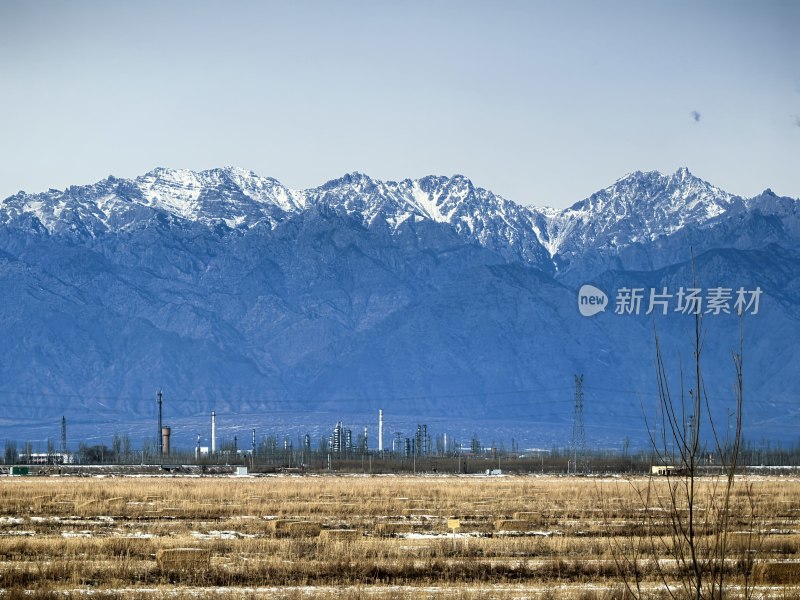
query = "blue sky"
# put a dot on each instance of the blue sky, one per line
(542, 102)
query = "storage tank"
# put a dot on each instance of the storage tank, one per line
(165, 433)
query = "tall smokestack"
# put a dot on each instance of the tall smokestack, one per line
(160, 397)
(380, 430)
(213, 433)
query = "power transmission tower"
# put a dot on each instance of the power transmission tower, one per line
(578, 446)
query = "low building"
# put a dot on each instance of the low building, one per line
(46, 458)
(665, 470)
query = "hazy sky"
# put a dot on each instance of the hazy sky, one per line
(542, 102)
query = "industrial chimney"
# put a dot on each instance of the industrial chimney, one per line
(160, 398)
(213, 433)
(380, 430)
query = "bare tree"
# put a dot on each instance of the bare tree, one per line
(690, 511)
(10, 456)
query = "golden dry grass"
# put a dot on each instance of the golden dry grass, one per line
(352, 536)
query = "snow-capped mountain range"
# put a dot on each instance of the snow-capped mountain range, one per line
(638, 208)
(363, 292)
(236, 198)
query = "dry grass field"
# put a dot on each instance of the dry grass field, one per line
(360, 537)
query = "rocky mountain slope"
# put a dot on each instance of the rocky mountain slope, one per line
(432, 299)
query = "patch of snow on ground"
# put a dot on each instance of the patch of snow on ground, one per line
(11, 520)
(76, 534)
(221, 535)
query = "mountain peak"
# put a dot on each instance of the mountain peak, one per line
(655, 185)
(639, 207)
(680, 175)
(234, 170)
(355, 177)
(461, 178)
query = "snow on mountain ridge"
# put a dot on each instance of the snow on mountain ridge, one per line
(639, 207)
(227, 194)
(476, 214)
